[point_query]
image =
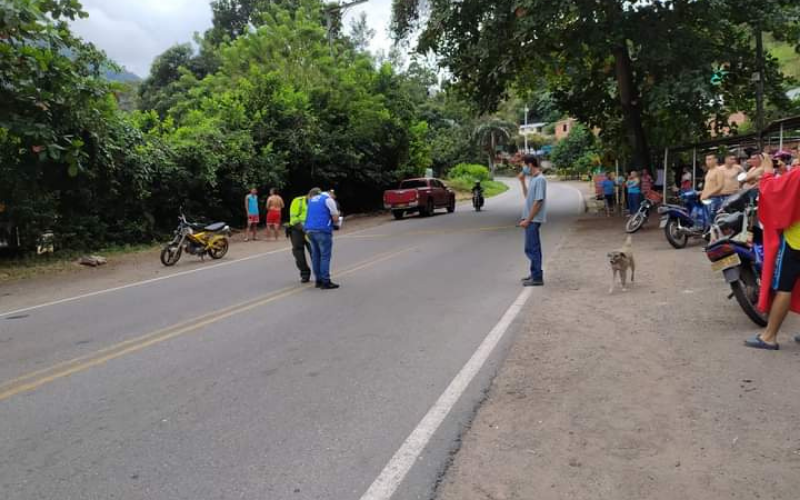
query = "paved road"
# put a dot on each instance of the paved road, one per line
(237, 382)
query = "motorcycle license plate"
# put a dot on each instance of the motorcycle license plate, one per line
(663, 222)
(726, 263)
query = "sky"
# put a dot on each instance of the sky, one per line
(134, 32)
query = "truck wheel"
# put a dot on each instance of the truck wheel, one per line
(452, 206)
(398, 214)
(429, 208)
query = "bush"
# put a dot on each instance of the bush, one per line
(470, 171)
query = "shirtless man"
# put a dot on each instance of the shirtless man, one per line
(275, 207)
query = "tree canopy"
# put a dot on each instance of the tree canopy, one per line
(639, 70)
(259, 102)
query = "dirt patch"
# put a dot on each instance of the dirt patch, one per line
(645, 394)
(68, 279)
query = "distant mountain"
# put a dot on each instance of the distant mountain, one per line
(124, 77)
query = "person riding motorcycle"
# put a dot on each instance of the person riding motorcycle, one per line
(477, 188)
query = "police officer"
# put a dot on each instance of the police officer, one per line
(298, 211)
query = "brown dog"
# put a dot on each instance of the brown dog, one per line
(621, 261)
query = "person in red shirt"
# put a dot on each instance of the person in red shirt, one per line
(779, 212)
(647, 182)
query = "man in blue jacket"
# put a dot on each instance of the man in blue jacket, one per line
(322, 218)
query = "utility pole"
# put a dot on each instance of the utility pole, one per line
(340, 8)
(526, 130)
(760, 86)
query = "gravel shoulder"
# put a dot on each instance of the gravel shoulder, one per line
(644, 394)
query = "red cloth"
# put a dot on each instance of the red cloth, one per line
(778, 209)
(274, 217)
(252, 219)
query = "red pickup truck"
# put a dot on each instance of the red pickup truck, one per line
(419, 195)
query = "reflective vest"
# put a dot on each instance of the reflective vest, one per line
(298, 211)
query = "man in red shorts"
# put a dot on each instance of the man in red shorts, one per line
(275, 207)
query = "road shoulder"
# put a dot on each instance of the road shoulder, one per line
(644, 394)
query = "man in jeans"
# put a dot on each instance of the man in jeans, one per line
(322, 217)
(533, 217)
(297, 220)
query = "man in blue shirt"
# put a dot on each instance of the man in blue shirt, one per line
(533, 217)
(322, 218)
(609, 193)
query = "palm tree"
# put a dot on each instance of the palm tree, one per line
(492, 133)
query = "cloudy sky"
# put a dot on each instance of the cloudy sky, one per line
(133, 32)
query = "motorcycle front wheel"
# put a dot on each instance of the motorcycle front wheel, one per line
(674, 236)
(171, 254)
(746, 291)
(636, 222)
(219, 249)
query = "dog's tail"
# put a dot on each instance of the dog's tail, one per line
(629, 241)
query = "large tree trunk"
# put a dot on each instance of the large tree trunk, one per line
(492, 153)
(631, 108)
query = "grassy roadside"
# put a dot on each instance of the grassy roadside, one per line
(463, 188)
(32, 266)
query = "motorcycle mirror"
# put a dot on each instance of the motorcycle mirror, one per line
(742, 177)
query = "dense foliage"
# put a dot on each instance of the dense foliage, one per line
(264, 102)
(641, 71)
(577, 154)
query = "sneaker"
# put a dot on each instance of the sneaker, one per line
(305, 279)
(526, 278)
(533, 282)
(319, 284)
(329, 286)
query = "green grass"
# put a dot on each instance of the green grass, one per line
(789, 59)
(464, 187)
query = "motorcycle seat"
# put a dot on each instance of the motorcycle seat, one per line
(217, 226)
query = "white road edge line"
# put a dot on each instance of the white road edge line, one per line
(401, 463)
(161, 278)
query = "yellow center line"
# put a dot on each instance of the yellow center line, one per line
(39, 378)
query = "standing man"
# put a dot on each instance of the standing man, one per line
(275, 207)
(253, 214)
(297, 219)
(322, 218)
(533, 217)
(730, 175)
(779, 212)
(713, 184)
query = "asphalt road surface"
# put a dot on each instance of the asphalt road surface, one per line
(238, 382)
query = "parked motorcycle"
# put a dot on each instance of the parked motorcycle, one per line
(640, 218)
(737, 250)
(682, 222)
(477, 199)
(196, 239)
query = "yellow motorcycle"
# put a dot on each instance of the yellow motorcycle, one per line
(197, 239)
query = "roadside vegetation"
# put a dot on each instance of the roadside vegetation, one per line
(462, 178)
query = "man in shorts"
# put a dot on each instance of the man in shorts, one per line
(609, 193)
(253, 215)
(275, 207)
(779, 211)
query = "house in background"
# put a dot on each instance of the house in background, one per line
(564, 127)
(532, 129)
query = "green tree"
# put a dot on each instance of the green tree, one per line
(491, 134)
(639, 70)
(577, 152)
(360, 33)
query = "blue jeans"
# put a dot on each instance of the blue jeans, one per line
(321, 251)
(634, 202)
(533, 249)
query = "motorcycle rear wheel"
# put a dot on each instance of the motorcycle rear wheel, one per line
(171, 254)
(746, 291)
(219, 249)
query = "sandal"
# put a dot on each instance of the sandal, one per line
(756, 343)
